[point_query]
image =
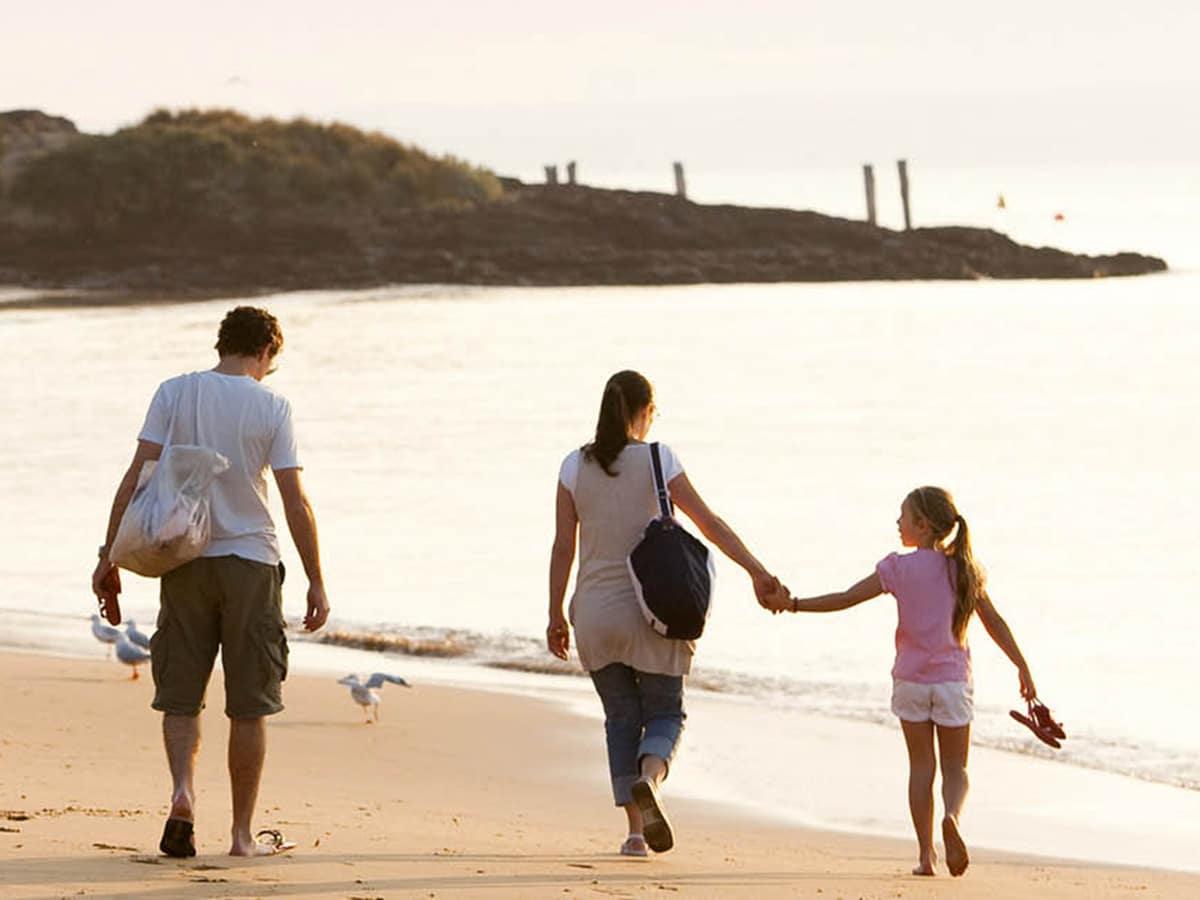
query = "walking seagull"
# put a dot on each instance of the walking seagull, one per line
(131, 654)
(365, 694)
(104, 633)
(137, 637)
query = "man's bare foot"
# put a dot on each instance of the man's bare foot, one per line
(957, 858)
(181, 808)
(272, 843)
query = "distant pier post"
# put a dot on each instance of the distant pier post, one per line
(680, 181)
(869, 180)
(902, 165)
(571, 172)
(551, 174)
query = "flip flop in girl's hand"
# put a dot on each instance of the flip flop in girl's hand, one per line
(1041, 723)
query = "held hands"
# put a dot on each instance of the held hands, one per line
(779, 602)
(771, 594)
(558, 636)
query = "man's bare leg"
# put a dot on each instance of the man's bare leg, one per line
(247, 752)
(181, 737)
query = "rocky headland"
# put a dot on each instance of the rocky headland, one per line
(212, 201)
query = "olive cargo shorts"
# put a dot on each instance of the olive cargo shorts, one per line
(221, 601)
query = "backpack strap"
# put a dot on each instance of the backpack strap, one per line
(660, 486)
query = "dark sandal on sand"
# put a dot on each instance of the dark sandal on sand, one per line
(655, 825)
(1041, 723)
(274, 840)
(177, 839)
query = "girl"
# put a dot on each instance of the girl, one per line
(606, 496)
(937, 588)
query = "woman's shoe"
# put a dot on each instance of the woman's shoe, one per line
(635, 845)
(655, 824)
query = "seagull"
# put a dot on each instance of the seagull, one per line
(131, 654)
(104, 633)
(138, 637)
(364, 694)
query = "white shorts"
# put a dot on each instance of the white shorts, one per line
(948, 703)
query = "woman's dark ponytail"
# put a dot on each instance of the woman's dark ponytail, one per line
(626, 394)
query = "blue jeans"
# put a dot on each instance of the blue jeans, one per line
(643, 716)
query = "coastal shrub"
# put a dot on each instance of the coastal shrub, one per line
(201, 170)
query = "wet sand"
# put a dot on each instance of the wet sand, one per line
(454, 793)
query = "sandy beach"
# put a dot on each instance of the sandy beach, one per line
(454, 793)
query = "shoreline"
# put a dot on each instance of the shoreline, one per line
(21, 298)
(512, 662)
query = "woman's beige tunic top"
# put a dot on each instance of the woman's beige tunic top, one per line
(613, 513)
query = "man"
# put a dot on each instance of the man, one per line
(230, 596)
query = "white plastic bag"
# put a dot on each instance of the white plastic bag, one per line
(168, 522)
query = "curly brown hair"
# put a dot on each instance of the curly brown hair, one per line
(248, 331)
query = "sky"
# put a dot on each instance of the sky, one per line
(624, 86)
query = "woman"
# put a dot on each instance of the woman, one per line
(606, 493)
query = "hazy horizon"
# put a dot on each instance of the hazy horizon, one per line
(722, 86)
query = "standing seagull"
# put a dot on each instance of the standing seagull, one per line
(364, 694)
(138, 637)
(131, 654)
(104, 633)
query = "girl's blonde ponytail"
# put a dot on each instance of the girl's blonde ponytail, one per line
(937, 507)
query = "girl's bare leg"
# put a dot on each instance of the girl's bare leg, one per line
(922, 768)
(954, 744)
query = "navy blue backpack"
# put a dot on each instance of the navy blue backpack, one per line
(673, 573)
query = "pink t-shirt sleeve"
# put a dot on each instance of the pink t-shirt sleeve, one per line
(888, 570)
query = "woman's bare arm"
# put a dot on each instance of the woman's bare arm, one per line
(718, 531)
(562, 556)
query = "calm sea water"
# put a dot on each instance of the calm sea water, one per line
(432, 422)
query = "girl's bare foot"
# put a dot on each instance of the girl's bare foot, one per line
(957, 858)
(927, 867)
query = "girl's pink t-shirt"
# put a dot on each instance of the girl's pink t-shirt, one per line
(926, 650)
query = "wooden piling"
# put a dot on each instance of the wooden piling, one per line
(902, 165)
(571, 172)
(551, 174)
(869, 180)
(680, 182)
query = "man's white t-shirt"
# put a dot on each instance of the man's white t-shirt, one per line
(252, 426)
